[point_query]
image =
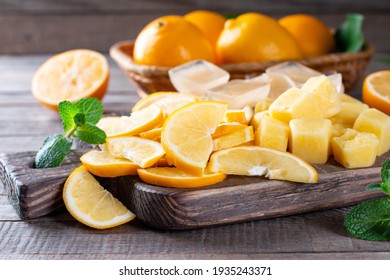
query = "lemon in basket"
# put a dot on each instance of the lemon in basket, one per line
(171, 41)
(255, 37)
(313, 36)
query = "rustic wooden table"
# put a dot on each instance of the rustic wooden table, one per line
(23, 126)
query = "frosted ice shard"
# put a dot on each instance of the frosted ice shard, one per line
(197, 76)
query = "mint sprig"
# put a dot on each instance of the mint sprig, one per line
(370, 220)
(79, 121)
(349, 35)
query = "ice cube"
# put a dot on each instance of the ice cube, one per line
(337, 81)
(197, 76)
(294, 70)
(239, 93)
(279, 83)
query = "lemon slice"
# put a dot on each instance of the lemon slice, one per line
(102, 164)
(139, 121)
(226, 128)
(234, 138)
(89, 203)
(176, 178)
(143, 152)
(186, 135)
(242, 116)
(152, 98)
(258, 161)
(153, 134)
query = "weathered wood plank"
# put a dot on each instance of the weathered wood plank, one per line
(7, 212)
(80, 31)
(35, 192)
(26, 100)
(16, 73)
(287, 238)
(153, 6)
(208, 256)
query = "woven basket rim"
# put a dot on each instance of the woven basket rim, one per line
(125, 60)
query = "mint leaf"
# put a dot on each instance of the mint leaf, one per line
(370, 220)
(79, 119)
(374, 187)
(385, 172)
(92, 108)
(349, 36)
(53, 151)
(91, 134)
(67, 111)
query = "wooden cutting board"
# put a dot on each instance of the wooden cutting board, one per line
(38, 192)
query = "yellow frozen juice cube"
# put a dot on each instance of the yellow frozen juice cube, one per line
(349, 112)
(263, 104)
(347, 98)
(310, 139)
(294, 104)
(339, 129)
(325, 93)
(272, 133)
(256, 120)
(355, 149)
(374, 121)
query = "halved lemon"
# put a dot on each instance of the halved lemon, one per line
(143, 152)
(176, 178)
(138, 122)
(376, 91)
(71, 75)
(186, 135)
(258, 161)
(102, 164)
(89, 203)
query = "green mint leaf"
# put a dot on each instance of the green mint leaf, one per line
(385, 171)
(349, 36)
(91, 134)
(67, 111)
(53, 151)
(374, 187)
(92, 108)
(370, 220)
(385, 188)
(79, 119)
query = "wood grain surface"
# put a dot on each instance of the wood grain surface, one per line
(35, 192)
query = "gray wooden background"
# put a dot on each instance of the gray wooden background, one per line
(49, 26)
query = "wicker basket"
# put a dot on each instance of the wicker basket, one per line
(150, 79)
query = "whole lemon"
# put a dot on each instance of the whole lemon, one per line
(210, 23)
(313, 36)
(171, 41)
(255, 37)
